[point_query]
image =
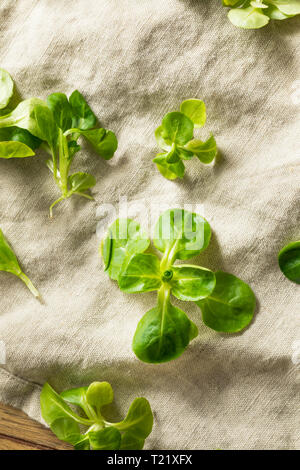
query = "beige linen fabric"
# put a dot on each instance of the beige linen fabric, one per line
(134, 60)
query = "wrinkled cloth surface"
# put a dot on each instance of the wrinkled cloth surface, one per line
(135, 60)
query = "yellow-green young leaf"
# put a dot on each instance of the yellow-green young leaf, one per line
(230, 307)
(141, 274)
(54, 407)
(205, 151)
(163, 142)
(289, 261)
(170, 171)
(248, 18)
(6, 88)
(76, 396)
(99, 394)
(127, 239)
(139, 419)
(15, 149)
(195, 110)
(10, 264)
(181, 234)
(275, 14)
(287, 7)
(8, 259)
(105, 439)
(81, 181)
(191, 283)
(173, 155)
(177, 128)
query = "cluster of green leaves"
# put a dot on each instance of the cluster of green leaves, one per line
(164, 332)
(9, 263)
(289, 261)
(254, 14)
(55, 126)
(175, 136)
(129, 434)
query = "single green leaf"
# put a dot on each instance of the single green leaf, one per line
(106, 251)
(192, 283)
(141, 274)
(103, 142)
(10, 264)
(139, 419)
(231, 305)
(105, 439)
(195, 110)
(172, 156)
(6, 88)
(131, 442)
(205, 151)
(76, 396)
(127, 239)
(99, 394)
(15, 150)
(83, 116)
(61, 109)
(170, 171)
(8, 259)
(177, 128)
(54, 407)
(66, 429)
(181, 234)
(46, 128)
(163, 333)
(162, 140)
(287, 7)
(81, 182)
(17, 134)
(275, 14)
(289, 261)
(248, 18)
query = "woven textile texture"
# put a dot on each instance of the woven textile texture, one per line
(135, 60)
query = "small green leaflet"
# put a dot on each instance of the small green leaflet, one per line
(289, 261)
(124, 239)
(230, 307)
(15, 150)
(6, 88)
(175, 136)
(100, 434)
(10, 264)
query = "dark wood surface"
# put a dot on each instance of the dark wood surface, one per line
(18, 432)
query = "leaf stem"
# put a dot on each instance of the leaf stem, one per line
(54, 204)
(29, 284)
